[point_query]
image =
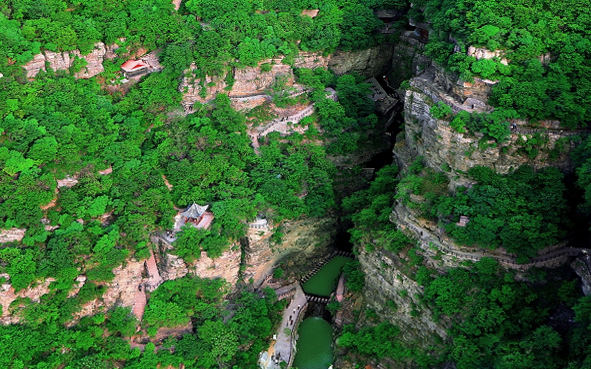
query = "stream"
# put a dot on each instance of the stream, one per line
(314, 344)
(324, 281)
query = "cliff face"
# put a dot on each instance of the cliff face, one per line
(252, 81)
(64, 60)
(368, 63)
(441, 145)
(389, 290)
(227, 266)
(395, 297)
(305, 241)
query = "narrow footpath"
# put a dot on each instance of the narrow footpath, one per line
(282, 349)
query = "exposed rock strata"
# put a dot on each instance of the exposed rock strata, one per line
(227, 266)
(8, 296)
(481, 53)
(386, 287)
(368, 62)
(582, 266)
(304, 241)
(120, 291)
(440, 144)
(248, 81)
(12, 235)
(64, 60)
(251, 81)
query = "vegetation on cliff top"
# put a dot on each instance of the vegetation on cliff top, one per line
(545, 42)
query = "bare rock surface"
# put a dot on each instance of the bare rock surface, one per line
(384, 284)
(251, 81)
(440, 144)
(8, 295)
(64, 60)
(227, 266)
(121, 291)
(304, 241)
(12, 235)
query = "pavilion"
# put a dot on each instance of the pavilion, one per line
(198, 216)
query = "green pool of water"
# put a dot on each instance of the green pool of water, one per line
(313, 346)
(324, 282)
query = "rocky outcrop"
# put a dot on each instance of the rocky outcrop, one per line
(227, 266)
(407, 58)
(64, 60)
(582, 266)
(441, 145)
(305, 241)
(8, 296)
(170, 266)
(481, 53)
(121, 291)
(252, 81)
(368, 62)
(248, 81)
(12, 235)
(67, 182)
(396, 298)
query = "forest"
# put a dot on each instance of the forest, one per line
(158, 160)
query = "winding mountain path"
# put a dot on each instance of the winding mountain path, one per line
(283, 347)
(539, 261)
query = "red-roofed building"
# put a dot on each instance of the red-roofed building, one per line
(198, 216)
(133, 68)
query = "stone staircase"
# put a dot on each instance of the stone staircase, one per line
(139, 305)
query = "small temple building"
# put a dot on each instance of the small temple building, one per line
(132, 68)
(198, 216)
(463, 221)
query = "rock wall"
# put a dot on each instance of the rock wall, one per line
(64, 60)
(305, 241)
(582, 266)
(8, 295)
(394, 297)
(248, 81)
(368, 62)
(440, 144)
(408, 59)
(120, 291)
(227, 266)
(12, 235)
(251, 81)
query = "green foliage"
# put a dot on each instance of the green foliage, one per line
(497, 321)
(379, 341)
(370, 208)
(354, 276)
(555, 32)
(582, 159)
(278, 272)
(441, 110)
(459, 121)
(174, 302)
(524, 211)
